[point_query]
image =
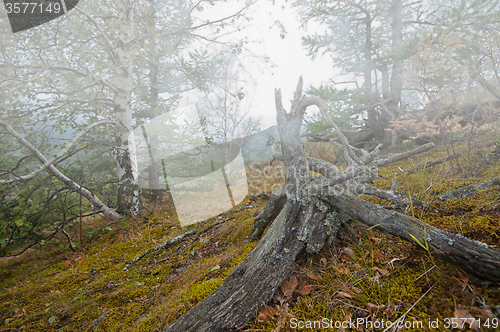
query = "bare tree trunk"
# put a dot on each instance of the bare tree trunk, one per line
(385, 82)
(472, 256)
(269, 213)
(255, 280)
(128, 186)
(397, 65)
(300, 225)
(393, 104)
(373, 116)
(153, 172)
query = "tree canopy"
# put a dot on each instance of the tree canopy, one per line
(123, 63)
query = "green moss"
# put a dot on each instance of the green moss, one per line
(244, 253)
(79, 288)
(199, 291)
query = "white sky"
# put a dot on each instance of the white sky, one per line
(288, 55)
(288, 59)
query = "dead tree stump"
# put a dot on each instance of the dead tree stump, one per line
(306, 213)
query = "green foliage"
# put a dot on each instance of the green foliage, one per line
(78, 288)
(368, 51)
(344, 109)
(55, 83)
(33, 212)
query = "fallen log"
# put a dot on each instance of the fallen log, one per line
(253, 282)
(470, 190)
(445, 159)
(306, 213)
(470, 255)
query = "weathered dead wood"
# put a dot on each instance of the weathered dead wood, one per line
(275, 149)
(300, 225)
(269, 212)
(323, 167)
(481, 80)
(313, 212)
(179, 238)
(357, 138)
(390, 196)
(471, 190)
(432, 163)
(404, 155)
(445, 159)
(165, 245)
(255, 280)
(472, 256)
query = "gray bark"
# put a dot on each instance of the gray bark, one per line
(397, 65)
(269, 213)
(471, 190)
(154, 100)
(309, 211)
(300, 226)
(472, 256)
(255, 280)
(481, 80)
(128, 185)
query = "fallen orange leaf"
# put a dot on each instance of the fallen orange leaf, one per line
(314, 277)
(349, 252)
(304, 288)
(464, 316)
(378, 255)
(345, 295)
(265, 313)
(289, 286)
(383, 272)
(373, 308)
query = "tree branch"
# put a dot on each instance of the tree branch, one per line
(403, 155)
(98, 27)
(471, 190)
(473, 256)
(96, 202)
(52, 160)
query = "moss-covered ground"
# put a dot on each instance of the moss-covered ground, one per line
(365, 276)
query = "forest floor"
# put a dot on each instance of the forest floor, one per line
(358, 284)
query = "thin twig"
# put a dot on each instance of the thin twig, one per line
(402, 318)
(170, 242)
(69, 240)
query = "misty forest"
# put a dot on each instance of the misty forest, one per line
(143, 188)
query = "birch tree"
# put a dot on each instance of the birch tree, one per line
(225, 109)
(93, 65)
